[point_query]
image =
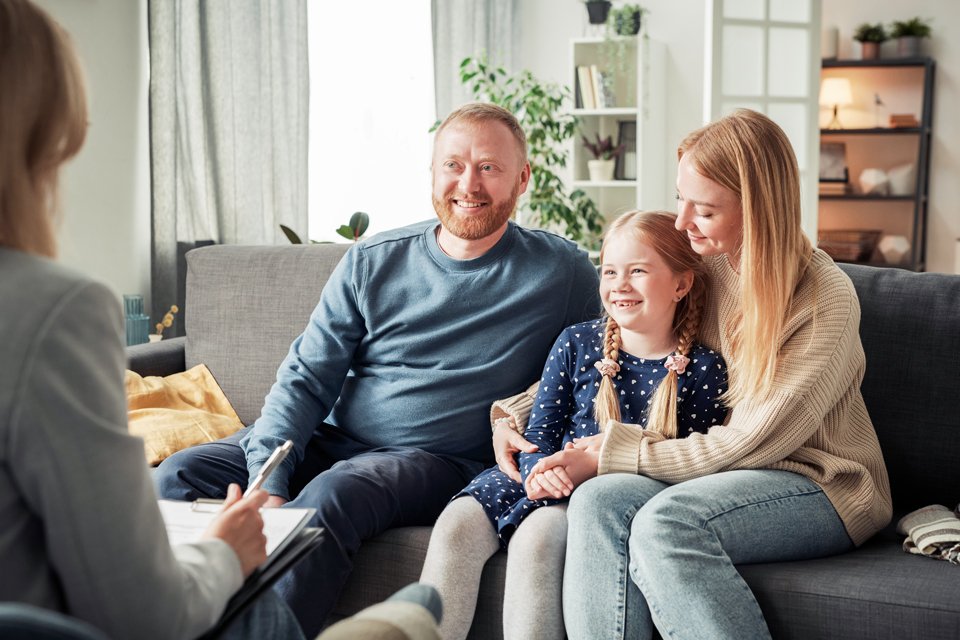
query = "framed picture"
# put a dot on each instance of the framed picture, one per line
(833, 162)
(626, 167)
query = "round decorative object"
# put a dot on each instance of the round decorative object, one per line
(894, 249)
(874, 182)
(903, 179)
(601, 170)
(597, 11)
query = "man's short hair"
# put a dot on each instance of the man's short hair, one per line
(479, 112)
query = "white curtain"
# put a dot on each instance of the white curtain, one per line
(229, 93)
(464, 28)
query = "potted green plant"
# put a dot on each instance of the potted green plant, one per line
(870, 37)
(543, 110)
(597, 10)
(626, 20)
(604, 157)
(908, 34)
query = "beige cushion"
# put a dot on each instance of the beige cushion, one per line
(177, 411)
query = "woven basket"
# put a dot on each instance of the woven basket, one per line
(849, 245)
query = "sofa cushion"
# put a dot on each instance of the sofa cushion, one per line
(877, 591)
(244, 307)
(910, 329)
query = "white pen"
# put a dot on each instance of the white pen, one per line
(269, 466)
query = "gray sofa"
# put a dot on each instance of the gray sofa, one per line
(246, 304)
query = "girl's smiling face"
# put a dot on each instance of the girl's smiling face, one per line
(638, 289)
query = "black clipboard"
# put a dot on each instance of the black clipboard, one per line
(263, 578)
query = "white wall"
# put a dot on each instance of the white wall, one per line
(106, 188)
(546, 27)
(943, 216)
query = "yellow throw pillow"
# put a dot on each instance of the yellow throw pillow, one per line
(178, 411)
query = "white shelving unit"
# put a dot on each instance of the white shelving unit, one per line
(639, 90)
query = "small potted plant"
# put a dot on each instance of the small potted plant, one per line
(908, 34)
(626, 20)
(597, 10)
(870, 37)
(604, 157)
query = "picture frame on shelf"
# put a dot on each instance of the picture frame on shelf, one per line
(833, 162)
(626, 168)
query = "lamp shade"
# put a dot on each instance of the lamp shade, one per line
(835, 91)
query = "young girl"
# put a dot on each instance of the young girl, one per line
(639, 365)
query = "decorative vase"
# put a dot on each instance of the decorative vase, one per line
(875, 182)
(597, 11)
(908, 46)
(869, 50)
(894, 249)
(155, 337)
(601, 170)
(136, 323)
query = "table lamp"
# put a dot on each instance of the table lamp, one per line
(835, 92)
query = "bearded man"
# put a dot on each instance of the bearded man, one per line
(386, 394)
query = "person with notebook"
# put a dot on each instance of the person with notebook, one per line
(463, 307)
(82, 533)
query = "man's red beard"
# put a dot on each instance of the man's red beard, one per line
(477, 226)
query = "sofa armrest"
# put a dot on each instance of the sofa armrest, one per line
(157, 358)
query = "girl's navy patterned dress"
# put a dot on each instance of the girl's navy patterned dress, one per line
(563, 410)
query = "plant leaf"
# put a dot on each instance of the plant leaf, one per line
(291, 234)
(345, 231)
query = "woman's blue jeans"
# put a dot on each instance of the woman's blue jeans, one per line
(642, 553)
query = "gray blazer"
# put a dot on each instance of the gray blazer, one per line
(80, 531)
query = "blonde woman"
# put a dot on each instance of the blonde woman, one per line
(82, 533)
(640, 364)
(795, 473)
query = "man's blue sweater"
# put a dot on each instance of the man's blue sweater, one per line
(409, 347)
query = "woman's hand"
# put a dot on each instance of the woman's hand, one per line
(589, 443)
(506, 443)
(241, 527)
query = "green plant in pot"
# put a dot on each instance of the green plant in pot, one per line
(626, 20)
(543, 110)
(870, 37)
(604, 157)
(597, 10)
(908, 34)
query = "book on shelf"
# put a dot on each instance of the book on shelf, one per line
(834, 188)
(903, 120)
(585, 80)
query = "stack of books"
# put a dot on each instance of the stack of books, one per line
(594, 88)
(903, 120)
(834, 188)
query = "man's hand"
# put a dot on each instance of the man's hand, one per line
(274, 501)
(241, 526)
(506, 443)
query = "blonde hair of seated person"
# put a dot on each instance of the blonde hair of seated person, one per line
(656, 229)
(43, 123)
(750, 155)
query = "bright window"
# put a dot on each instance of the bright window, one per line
(371, 108)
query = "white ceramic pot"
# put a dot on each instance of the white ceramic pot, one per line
(601, 170)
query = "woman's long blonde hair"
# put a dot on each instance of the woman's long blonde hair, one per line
(43, 123)
(657, 230)
(750, 155)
